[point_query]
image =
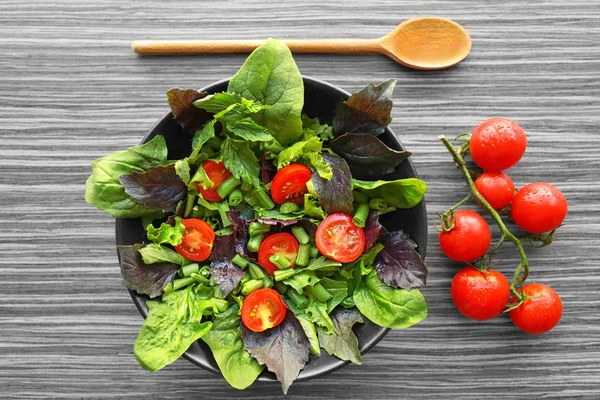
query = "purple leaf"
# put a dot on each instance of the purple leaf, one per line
(278, 222)
(283, 349)
(398, 264)
(372, 230)
(368, 111)
(223, 248)
(144, 278)
(366, 155)
(268, 169)
(159, 188)
(226, 274)
(335, 195)
(240, 232)
(190, 117)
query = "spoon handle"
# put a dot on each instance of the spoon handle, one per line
(158, 47)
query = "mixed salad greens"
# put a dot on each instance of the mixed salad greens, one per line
(263, 242)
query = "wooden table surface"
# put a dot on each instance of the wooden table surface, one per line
(71, 90)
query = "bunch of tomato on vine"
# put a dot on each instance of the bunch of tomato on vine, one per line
(479, 291)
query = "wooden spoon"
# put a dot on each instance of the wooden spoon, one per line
(423, 43)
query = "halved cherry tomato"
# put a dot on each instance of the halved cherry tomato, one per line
(279, 243)
(197, 241)
(289, 184)
(217, 173)
(263, 309)
(339, 239)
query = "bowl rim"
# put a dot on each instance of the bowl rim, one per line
(337, 363)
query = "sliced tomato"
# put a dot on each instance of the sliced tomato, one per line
(289, 184)
(263, 309)
(198, 239)
(339, 239)
(217, 173)
(278, 243)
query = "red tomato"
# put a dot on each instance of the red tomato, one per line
(539, 207)
(289, 184)
(496, 188)
(540, 312)
(339, 239)
(497, 144)
(278, 243)
(480, 295)
(217, 173)
(197, 241)
(263, 309)
(469, 239)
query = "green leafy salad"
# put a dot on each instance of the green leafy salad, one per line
(265, 242)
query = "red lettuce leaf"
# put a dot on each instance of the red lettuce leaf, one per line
(366, 155)
(144, 278)
(368, 111)
(284, 349)
(372, 230)
(158, 188)
(190, 117)
(226, 274)
(240, 232)
(398, 264)
(344, 345)
(268, 169)
(335, 194)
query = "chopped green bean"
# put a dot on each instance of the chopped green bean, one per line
(180, 283)
(264, 199)
(256, 228)
(359, 197)
(236, 197)
(319, 292)
(280, 261)
(297, 299)
(314, 252)
(227, 186)
(283, 274)
(255, 241)
(300, 234)
(280, 287)
(361, 215)
(289, 207)
(189, 269)
(251, 286)
(378, 204)
(256, 271)
(240, 261)
(303, 255)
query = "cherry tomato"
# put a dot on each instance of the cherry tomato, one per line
(289, 184)
(540, 312)
(278, 243)
(539, 207)
(217, 173)
(469, 239)
(480, 295)
(263, 309)
(496, 188)
(197, 241)
(339, 239)
(497, 144)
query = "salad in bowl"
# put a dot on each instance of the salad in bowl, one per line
(260, 238)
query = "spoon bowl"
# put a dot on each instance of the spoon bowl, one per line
(427, 43)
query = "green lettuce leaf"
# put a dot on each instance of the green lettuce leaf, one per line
(103, 189)
(313, 127)
(171, 327)
(401, 193)
(270, 76)
(225, 341)
(387, 306)
(344, 345)
(166, 233)
(154, 253)
(298, 150)
(241, 161)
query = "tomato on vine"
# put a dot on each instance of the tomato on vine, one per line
(496, 188)
(539, 207)
(469, 239)
(497, 144)
(480, 295)
(541, 310)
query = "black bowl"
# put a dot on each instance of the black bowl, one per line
(321, 99)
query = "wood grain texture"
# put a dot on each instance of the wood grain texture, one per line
(71, 90)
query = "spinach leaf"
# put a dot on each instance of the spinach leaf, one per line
(225, 341)
(158, 188)
(166, 233)
(366, 155)
(270, 76)
(155, 253)
(311, 333)
(241, 161)
(389, 307)
(215, 103)
(344, 345)
(284, 349)
(171, 327)
(103, 189)
(204, 135)
(398, 264)
(368, 111)
(181, 101)
(145, 279)
(335, 195)
(401, 193)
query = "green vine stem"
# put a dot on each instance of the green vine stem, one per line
(522, 270)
